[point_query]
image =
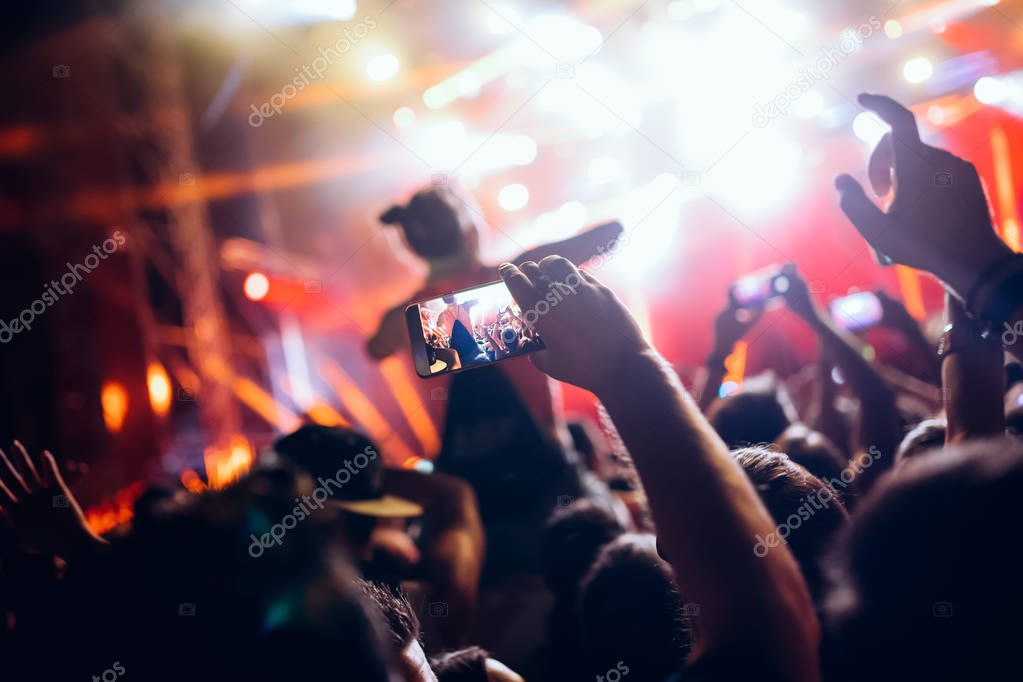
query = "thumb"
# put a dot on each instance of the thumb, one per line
(866, 217)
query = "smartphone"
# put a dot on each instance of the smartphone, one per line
(468, 329)
(757, 287)
(857, 312)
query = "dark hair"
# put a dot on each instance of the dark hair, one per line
(925, 436)
(788, 490)
(394, 605)
(464, 665)
(188, 597)
(757, 415)
(435, 222)
(631, 611)
(816, 453)
(927, 575)
(570, 542)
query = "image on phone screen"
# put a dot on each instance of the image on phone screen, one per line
(857, 312)
(468, 329)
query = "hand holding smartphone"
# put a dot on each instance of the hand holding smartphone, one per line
(858, 311)
(468, 329)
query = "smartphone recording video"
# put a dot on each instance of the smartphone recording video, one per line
(468, 329)
(758, 287)
(857, 312)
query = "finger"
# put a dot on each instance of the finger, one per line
(560, 269)
(7, 498)
(879, 168)
(901, 119)
(8, 474)
(520, 286)
(30, 467)
(861, 211)
(540, 360)
(590, 279)
(49, 470)
(537, 276)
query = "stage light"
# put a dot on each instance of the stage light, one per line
(869, 127)
(893, 29)
(502, 19)
(404, 117)
(443, 143)
(382, 67)
(513, 197)
(562, 223)
(113, 398)
(918, 70)
(563, 36)
(159, 386)
(811, 104)
(604, 169)
(990, 90)
(256, 286)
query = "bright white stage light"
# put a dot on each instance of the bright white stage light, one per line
(382, 67)
(918, 70)
(563, 36)
(893, 29)
(869, 127)
(604, 169)
(501, 19)
(561, 223)
(513, 197)
(991, 90)
(404, 117)
(444, 144)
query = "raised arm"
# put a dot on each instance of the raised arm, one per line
(730, 325)
(879, 428)
(579, 248)
(708, 515)
(973, 378)
(939, 221)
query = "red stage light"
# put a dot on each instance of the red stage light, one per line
(256, 286)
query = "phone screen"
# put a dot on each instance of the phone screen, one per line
(856, 311)
(468, 329)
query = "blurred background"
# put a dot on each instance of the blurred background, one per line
(189, 242)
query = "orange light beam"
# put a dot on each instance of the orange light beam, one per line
(365, 412)
(411, 404)
(263, 404)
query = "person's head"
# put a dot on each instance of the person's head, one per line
(570, 542)
(403, 627)
(807, 511)
(472, 664)
(813, 451)
(631, 612)
(924, 437)
(209, 590)
(437, 224)
(348, 471)
(926, 577)
(759, 414)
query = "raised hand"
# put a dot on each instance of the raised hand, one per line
(37, 503)
(731, 324)
(797, 296)
(939, 218)
(587, 331)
